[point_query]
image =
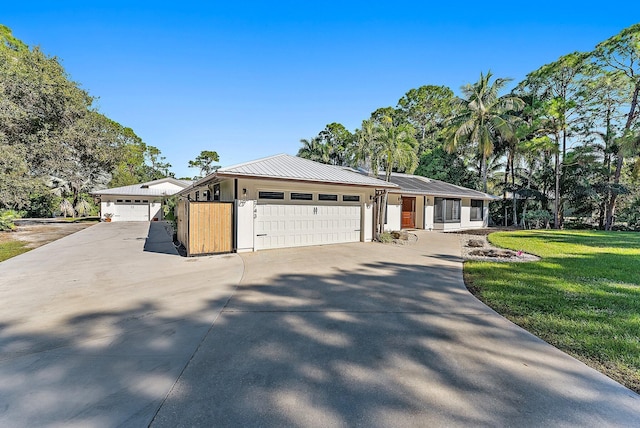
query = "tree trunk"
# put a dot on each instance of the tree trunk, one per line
(513, 186)
(611, 209)
(483, 168)
(504, 193)
(556, 201)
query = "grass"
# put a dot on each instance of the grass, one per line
(583, 296)
(11, 249)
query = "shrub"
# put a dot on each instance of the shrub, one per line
(385, 238)
(6, 220)
(42, 205)
(537, 218)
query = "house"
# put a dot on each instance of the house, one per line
(425, 203)
(138, 202)
(287, 201)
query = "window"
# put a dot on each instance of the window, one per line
(145, 201)
(326, 197)
(446, 210)
(271, 195)
(128, 200)
(476, 210)
(350, 198)
(120, 201)
(301, 196)
(216, 192)
(197, 195)
(137, 201)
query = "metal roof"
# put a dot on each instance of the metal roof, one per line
(287, 167)
(416, 184)
(143, 189)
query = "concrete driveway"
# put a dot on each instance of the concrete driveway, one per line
(108, 327)
(96, 327)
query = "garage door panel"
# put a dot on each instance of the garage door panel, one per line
(130, 212)
(278, 226)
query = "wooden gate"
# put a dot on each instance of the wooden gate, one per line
(205, 227)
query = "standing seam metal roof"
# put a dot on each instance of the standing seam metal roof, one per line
(141, 190)
(289, 167)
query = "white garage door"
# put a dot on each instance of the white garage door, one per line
(278, 226)
(131, 212)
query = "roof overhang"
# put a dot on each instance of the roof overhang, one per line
(485, 197)
(217, 177)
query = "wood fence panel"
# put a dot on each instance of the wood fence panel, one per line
(210, 228)
(182, 222)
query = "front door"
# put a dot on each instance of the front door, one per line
(408, 213)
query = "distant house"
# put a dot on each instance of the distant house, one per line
(287, 201)
(138, 202)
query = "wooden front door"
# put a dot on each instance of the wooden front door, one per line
(408, 213)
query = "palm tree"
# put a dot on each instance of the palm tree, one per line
(367, 147)
(381, 144)
(398, 148)
(313, 149)
(483, 117)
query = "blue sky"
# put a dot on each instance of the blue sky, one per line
(251, 79)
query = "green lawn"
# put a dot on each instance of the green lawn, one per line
(11, 249)
(583, 296)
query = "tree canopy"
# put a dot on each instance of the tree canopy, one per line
(563, 144)
(55, 143)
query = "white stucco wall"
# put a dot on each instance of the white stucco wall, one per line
(428, 213)
(367, 222)
(465, 215)
(155, 211)
(108, 205)
(245, 216)
(394, 216)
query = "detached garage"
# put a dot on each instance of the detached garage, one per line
(286, 201)
(138, 202)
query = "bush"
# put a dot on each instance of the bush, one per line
(537, 218)
(385, 238)
(6, 220)
(42, 205)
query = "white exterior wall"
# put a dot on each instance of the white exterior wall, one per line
(428, 213)
(394, 217)
(227, 191)
(245, 216)
(155, 211)
(170, 188)
(108, 205)
(367, 222)
(446, 226)
(465, 215)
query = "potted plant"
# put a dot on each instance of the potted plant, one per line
(107, 217)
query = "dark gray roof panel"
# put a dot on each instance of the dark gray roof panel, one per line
(428, 186)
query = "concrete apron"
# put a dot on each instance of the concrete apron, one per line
(380, 335)
(96, 327)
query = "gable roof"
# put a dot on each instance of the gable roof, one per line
(415, 184)
(145, 189)
(287, 167)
